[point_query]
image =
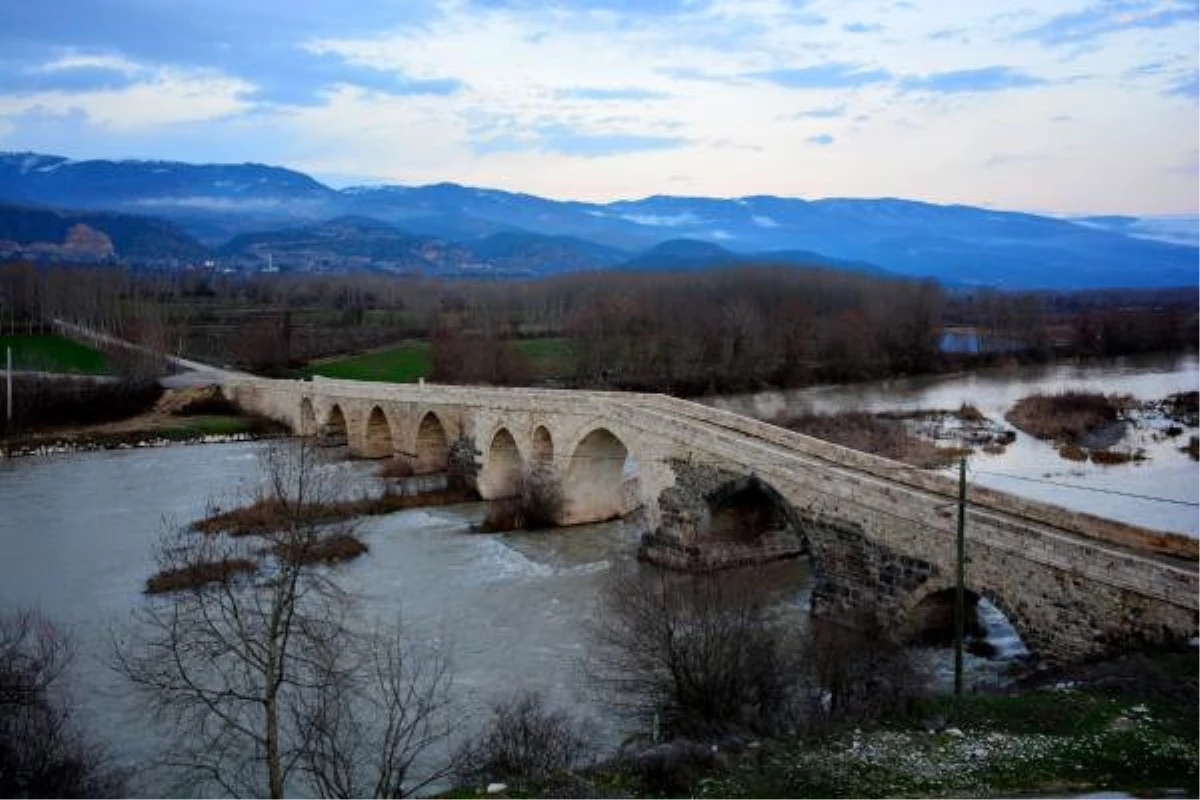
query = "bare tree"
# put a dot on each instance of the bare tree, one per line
(854, 671)
(698, 651)
(262, 675)
(43, 753)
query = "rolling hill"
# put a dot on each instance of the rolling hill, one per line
(452, 227)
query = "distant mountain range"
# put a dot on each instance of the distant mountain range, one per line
(249, 216)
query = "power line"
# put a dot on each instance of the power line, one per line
(1096, 489)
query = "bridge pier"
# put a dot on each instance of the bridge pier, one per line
(714, 519)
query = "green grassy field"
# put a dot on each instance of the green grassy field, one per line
(549, 358)
(52, 353)
(402, 364)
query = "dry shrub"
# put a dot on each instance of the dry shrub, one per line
(970, 413)
(195, 575)
(699, 654)
(189, 403)
(1066, 415)
(1192, 448)
(1109, 457)
(1184, 407)
(854, 671)
(1072, 452)
(523, 741)
(328, 549)
(268, 514)
(872, 434)
(994, 449)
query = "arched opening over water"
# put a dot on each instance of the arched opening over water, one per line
(308, 418)
(989, 631)
(501, 475)
(378, 442)
(433, 446)
(334, 432)
(543, 446)
(751, 511)
(594, 474)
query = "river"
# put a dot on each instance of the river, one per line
(79, 532)
(1161, 492)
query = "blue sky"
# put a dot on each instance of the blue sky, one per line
(1065, 106)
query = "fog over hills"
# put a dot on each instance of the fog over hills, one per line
(250, 215)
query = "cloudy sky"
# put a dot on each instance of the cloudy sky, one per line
(1063, 106)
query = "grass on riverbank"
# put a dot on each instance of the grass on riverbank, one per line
(1067, 416)
(197, 575)
(549, 358)
(50, 352)
(331, 549)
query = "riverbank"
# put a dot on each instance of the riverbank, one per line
(179, 416)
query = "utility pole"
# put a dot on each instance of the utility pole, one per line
(8, 391)
(960, 611)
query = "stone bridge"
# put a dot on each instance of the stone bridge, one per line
(713, 489)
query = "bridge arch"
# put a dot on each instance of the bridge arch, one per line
(308, 418)
(502, 467)
(432, 446)
(591, 487)
(334, 432)
(750, 510)
(929, 615)
(543, 446)
(378, 441)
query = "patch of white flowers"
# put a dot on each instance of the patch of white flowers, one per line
(968, 762)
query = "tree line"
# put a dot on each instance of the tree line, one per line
(681, 332)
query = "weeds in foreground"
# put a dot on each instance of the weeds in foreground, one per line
(1045, 740)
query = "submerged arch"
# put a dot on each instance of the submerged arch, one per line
(334, 432)
(502, 466)
(378, 441)
(308, 418)
(594, 474)
(432, 446)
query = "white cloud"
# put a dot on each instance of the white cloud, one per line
(676, 78)
(168, 97)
